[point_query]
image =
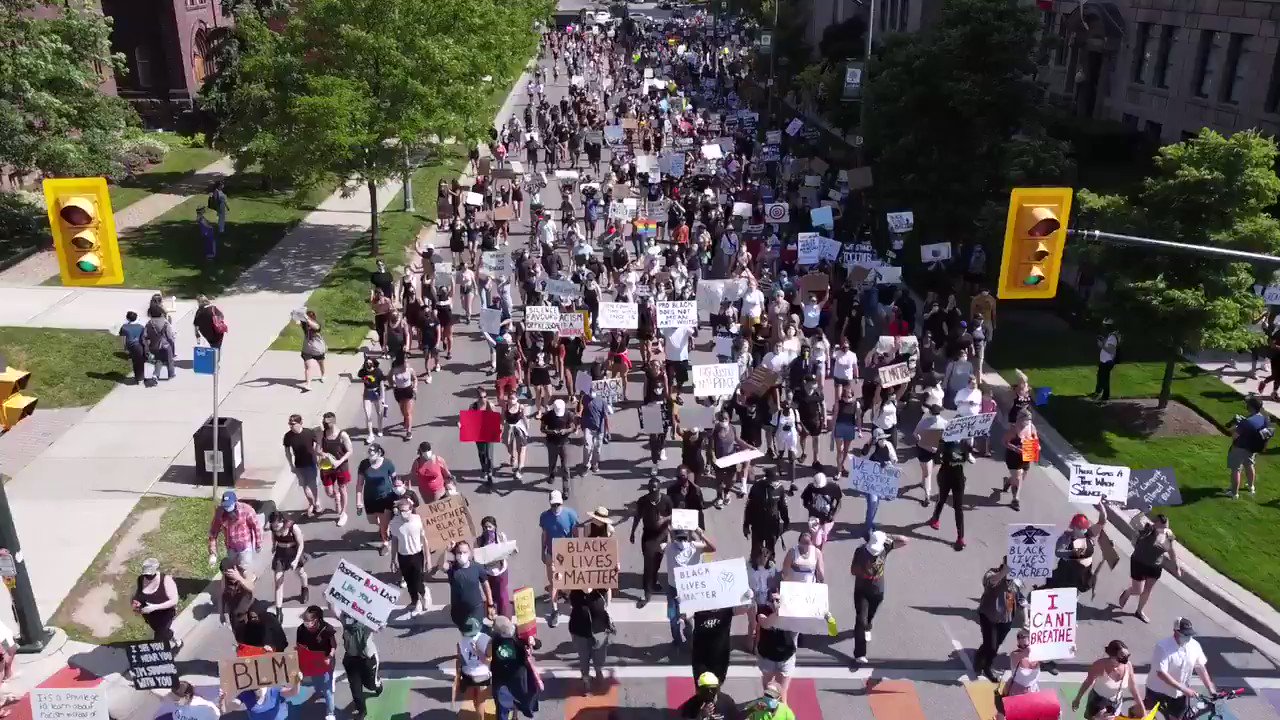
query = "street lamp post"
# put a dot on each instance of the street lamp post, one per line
(862, 99)
(773, 53)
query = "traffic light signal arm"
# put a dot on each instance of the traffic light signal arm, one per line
(1174, 247)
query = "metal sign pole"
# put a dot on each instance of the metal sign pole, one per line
(32, 634)
(217, 454)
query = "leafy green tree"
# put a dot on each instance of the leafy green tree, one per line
(1210, 190)
(215, 98)
(345, 85)
(53, 118)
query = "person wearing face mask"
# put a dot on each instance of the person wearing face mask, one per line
(468, 586)
(556, 522)
(1026, 672)
(868, 570)
(156, 598)
(317, 646)
(879, 450)
(653, 516)
(287, 555)
(257, 628)
(1173, 662)
(557, 425)
(268, 703)
(190, 706)
(786, 435)
(430, 471)
(590, 627)
(374, 398)
(335, 456)
(375, 492)
(1107, 680)
(409, 551)
(515, 428)
(803, 562)
(725, 442)
(684, 549)
(1075, 550)
(360, 661)
(1002, 597)
(766, 515)
(496, 574)
(1153, 542)
(953, 456)
(822, 500)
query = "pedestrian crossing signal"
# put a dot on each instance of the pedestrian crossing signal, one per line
(1035, 236)
(84, 231)
(13, 404)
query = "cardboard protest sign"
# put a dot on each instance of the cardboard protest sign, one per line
(803, 607)
(815, 282)
(759, 381)
(491, 321)
(1090, 482)
(1157, 487)
(808, 249)
(622, 316)
(1051, 618)
(818, 165)
(277, 669)
(151, 665)
(610, 389)
(895, 344)
(712, 585)
(935, 252)
(822, 217)
(541, 318)
(473, 199)
(697, 416)
(492, 553)
(559, 288)
(682, 519)
(1030, 550)
(777, 213)
(894, 375)
(630, 123)
(572, 324)
(585, 563)
(968, 426)
(738, 458)
(479, 426)
(526, 615)
(593, 137)
(651, 419)
(1109, 553)
(68, 704)
(742, 209)
(900, 222)
(678, 313)
(495, 262)
(873, 478)
(719, 380)
(504, 212)
(447, 521)
(361, 596)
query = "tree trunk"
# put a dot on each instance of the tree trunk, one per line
(1166, 383)
(375, 248)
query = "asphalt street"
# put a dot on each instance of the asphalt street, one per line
(925, 631)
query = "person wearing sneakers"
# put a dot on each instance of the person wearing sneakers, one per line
(868, 568)
(556, 522)
(238, 524)
(1173, 662)
(300, 450)
(556, 427)
(409, 553)
(952, 456)
(1146, 565)
(1249, 436)
(375, 492)
(287, 555)
(335, 471)
(772, 705)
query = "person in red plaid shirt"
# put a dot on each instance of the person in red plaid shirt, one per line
(239, 523)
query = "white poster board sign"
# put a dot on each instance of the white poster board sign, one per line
(710, 293)
(712, 585)
(894, 375)
(560, 288)
(935, 252)
(541, 318)
(803, 608)
(738, 458)
(809, 249)
(360, 595)
(828, 249)
(1030, 550)
(682, 519)
(1090, 482)
(968, 426)
(678, 313)
(69, 704)
(474, 199)
(712, 151)
(888, 275)
(651, 419)
(719, 380)
(496, 552)
(495, 262)
(620, 316)
(742, 209)
(873, 478)
(491, 320)
(901, 222)
(1051, 618)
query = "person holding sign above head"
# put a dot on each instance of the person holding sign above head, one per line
(1154, 541)
(1075, 550)
(868, 569)
(266, 703)
(685, 548)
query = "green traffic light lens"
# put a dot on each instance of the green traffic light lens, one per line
(1033, 280)
(87, 266)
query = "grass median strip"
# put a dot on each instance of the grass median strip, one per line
(165, 176)
(1239, 538)
(69, 368)
(171, 529)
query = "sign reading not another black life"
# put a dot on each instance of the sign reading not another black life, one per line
(1152, 488)
(151, 665)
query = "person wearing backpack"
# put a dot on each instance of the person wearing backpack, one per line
(1249, 436)
(158, 338)
(209, 322)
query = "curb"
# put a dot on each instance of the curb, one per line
(22, 255)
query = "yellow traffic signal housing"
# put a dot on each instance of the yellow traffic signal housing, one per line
(84, 231)
(1035, 235)
(13, 404)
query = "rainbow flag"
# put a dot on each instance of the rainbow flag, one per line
(646, 227)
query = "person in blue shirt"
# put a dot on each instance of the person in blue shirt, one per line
(269, 703)
(556, 522)
(131, 331)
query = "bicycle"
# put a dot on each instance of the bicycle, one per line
(1200, 707)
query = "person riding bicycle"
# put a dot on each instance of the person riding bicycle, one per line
(1172, 663)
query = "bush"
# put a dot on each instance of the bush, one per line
(151, 149)
(195, 140)
(132, 162)
(23, 222)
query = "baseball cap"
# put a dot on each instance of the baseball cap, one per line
(228, 500)
(708, 679)
(876, 543)
(1184, 627)
(150, 566)
(557, 407)
(557, 497)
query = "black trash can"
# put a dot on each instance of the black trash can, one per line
(230, 445)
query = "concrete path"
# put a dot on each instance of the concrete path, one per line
(1234, 371)
(78, 308)
(137, 436)
(44, 265)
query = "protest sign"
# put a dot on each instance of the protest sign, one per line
(491, 321)
(812, 181)
(738, 458)
(815, 282)
(1051, 618)
(1109, 553)
(360, 595)
(572, 324)
(808, 249)
(593, 137)
(673, 164)
(578, 80)
(873, 478)
(968, 426)
(623, 316)
(560, 288)
(479, 426)
(1157, 487)
(523, 600)
(678, 313)
(1030, 550)
(888, 275)
(712, 151)
(822, 217)
(777, 213)
(696, 416)
(495, 552)
(894, 375)
(151, 665)
(682, 519)
(718, 380)
(541, 318)
(900, 222)
(794, 127)
(277, 669)
(898, 344)
(504, 212)
(473, 199)
(710, 293)
(773, 137)
(742, 209)
(613, 133)
(828, 249)
(651, 419)
(712, 585)
(610, 389)
(759, 381)
(1090, 482)
(1031, 450)
(803, 607)
(935, 252)
(447, 521)
(860, 177)
(496, 262)
(585, 563)
(768, 153)
(69, 704)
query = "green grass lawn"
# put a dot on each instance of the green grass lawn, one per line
(179, 543)
(178, 163)
(69, 368)
(1239, 538)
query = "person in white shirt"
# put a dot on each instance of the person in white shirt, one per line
(189, 706)
(969, 399)
(409, 554)
(927, 437)
(472, 671)
(678, 343)
(886, 418)
(752, 307)
(1108, 344)
(844, 365)
(812, 316)
(1172, 664)
(820, 356)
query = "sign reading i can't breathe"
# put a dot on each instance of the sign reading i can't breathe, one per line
(1052, 622)
(585, 563)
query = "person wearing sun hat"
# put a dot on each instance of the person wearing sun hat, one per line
(600, 525)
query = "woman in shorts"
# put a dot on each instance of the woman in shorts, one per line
(429, 333)
(619, 362)
(515, 434)
(1154, 541)
(313, 348)
(404, 387)
(465, 280)
(540, 366)
(775, 648)
(286, 555)
(1021, 434)
(844, 417)
(444, 311)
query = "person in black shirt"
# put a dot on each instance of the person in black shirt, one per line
(556, 426)
(300, 449)
(686, 495)
(766, 516)
(822, 499)
(711, 642)
(708, 703)
(653, 516)
(381, 280)
(953, 456)
(589, 625)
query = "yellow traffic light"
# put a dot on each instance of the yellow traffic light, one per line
(13, 404)
(1035, 235)
(84, 231)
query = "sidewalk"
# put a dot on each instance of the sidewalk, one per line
(1233, 371)
(44, 264)
(129, 441)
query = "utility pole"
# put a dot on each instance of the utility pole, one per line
(773, 53)
(862, 99)
(32, 634)
(408, 180)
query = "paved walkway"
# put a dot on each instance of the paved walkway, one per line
(1233, 370)
(44, 265)
(137, 436)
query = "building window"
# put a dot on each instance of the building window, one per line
(1273, 87)
(1154, 130)
(1142, 53)
(1208, 59)
(1233, 80)
(1164, 56)
(1130, 120)
(142, 68)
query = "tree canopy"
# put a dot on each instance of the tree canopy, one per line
(53, 118)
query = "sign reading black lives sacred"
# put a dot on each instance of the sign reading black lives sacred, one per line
(1157, 487)
(151, 665)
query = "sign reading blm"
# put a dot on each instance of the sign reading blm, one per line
(585, 563)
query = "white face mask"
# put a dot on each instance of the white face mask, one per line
(399, 489)
(427, 455)
(464, 558)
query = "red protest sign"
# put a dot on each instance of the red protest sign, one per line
(476, 426)
(312, 663)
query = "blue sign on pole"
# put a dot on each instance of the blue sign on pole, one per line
(205, 361)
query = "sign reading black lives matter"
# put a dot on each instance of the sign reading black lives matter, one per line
(151, 665)
(585, 563)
